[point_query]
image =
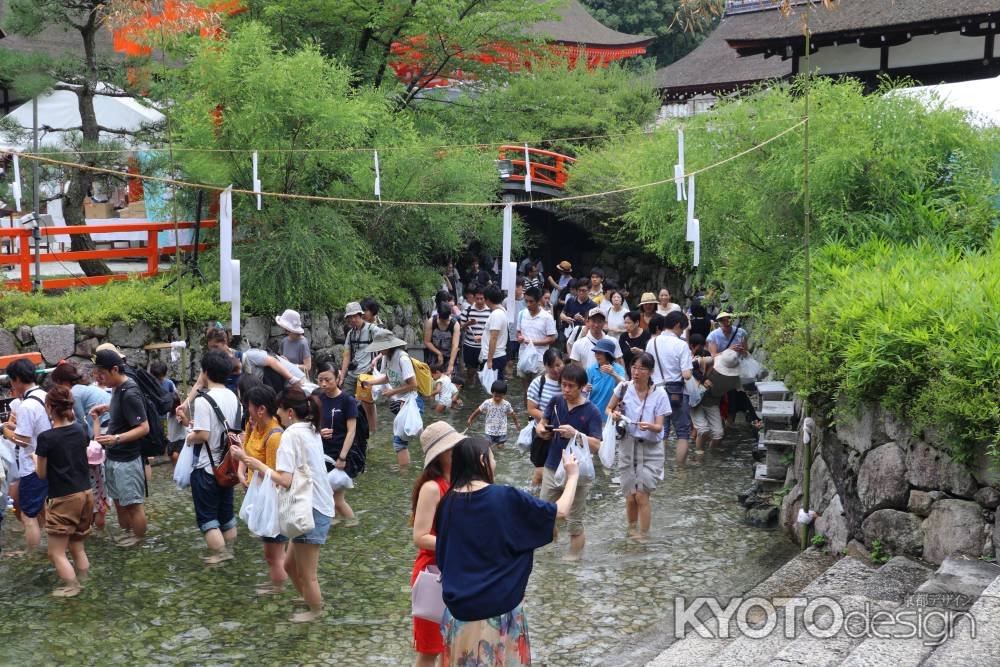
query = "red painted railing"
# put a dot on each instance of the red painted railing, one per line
(547, 168)
(152, 251)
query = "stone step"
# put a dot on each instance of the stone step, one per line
(777, 412)
(959, 581)
(885, 591)
(773, 390)
(976, 639)
(786, 581)
(777, 462)
(839, 580)
(780, 439)
(766, 481)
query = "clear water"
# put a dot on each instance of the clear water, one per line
(160, 605)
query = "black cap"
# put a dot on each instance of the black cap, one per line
(108, 359)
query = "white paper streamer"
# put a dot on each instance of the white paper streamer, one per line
(256, 181)
(225, 244)
(234, 317)
(378, 180)
(697, 242)
(806, 518)
(693, 227)
(175, 350)
(505, 263)
(690, 197)
(527, 170)
(16, 185)
(679, 167)
(509, 285)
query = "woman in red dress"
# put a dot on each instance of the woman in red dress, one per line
(436, 441)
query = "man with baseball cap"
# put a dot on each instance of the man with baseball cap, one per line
(583, 349)
(356, 359)
(123, 469)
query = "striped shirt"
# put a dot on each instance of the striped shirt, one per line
(478, 318)
(542, 394)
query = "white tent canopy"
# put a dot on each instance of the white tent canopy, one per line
(981, 98)
(59, 109)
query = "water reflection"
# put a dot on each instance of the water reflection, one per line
(161, 605)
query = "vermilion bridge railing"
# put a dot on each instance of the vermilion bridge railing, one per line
(547, 168)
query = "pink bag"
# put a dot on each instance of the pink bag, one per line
(427, 596)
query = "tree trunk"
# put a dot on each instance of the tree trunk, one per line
(80, 180)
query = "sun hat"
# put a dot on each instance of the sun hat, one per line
(728, 363)
(353, 308)
(648, 298)
(564, 266)
(384, 340)
(95, 453)
(605, 345)
(437, 438)
(596, 312)
(724, 314)
(109, 346)
(108, 359)
(290, 321)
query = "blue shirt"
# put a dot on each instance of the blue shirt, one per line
(485, 548)
(602, 386)
(721, 340)
(585, 418)
(573, 307)
(86, 397)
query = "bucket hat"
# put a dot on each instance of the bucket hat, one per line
(353, 308)
(290, 321)
(648, 298)
(438, 438)
(606, 346)
(728, 363)
(384, 340)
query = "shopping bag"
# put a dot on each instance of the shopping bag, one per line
(263, 518)
(609, 442)
(427, 595)
(487, 377)
(581, 450)
(295, 515)
(183, 467)
(246, 508)
(339, 480)
(530, 361)
(695, 390)
(750, 370)
(525, 437)
(408, 423)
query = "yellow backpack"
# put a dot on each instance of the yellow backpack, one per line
(425, 383)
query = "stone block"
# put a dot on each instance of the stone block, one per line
(856, 549)
(135, 336)
(882, 479)
(23, 334)
(136, 356)
(898, 531)
(920, 502)
(86, 347)
(97, 332)
(832, 524)
(55, 341)
(954, 526)
(8, 343)
(255, 332)
(931, 468)
(988, 497)
(320, 333)
(857, 431)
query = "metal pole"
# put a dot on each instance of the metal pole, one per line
(36, 233)
(807, 446)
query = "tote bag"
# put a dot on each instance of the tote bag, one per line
(427, 595)
(295, 515)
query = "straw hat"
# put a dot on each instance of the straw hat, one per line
(564, 266)
(648, 298)
(109, 346)
(290, 321)
(353, 308)
(728, 363)
(437, 438)
(384, 340)
(723, 314)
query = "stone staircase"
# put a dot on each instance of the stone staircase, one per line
(963, 593)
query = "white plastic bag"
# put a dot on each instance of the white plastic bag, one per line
(183, 467)
(581, 450)
(339, 480)
(487, 377)
(408, 424)
(525, 437)
(750, 370)
(695, 391)
(246, 507)
(263, 519)
(609, 442)
(530, 361)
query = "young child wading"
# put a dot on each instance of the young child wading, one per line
(497, 410)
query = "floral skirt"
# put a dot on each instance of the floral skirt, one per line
(97, 488)
(501, 641)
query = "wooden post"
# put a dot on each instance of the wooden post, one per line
(24, 251)
(153, 247)
(807, 214)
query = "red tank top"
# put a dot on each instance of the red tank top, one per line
(427, 557)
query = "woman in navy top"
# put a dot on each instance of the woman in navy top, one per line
(486, 537)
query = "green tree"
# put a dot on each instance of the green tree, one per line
(662, 18)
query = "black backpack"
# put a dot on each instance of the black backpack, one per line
(156, 402)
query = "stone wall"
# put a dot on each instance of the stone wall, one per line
(325, 332)
(874, 476)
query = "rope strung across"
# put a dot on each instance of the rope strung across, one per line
(376, 202)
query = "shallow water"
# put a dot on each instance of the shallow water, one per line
(159, 604)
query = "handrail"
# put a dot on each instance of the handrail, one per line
(151, 251)
(555, 175)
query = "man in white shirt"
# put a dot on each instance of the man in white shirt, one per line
(673, 366)
(583, 349)
(31, 420)
(494, 348)
(213, 504)
(535, 326)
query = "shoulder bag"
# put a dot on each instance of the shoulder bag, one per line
(226, 472)
(295, 515)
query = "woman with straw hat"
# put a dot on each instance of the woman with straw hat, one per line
(647, 308)
(402, 381)
(437, 441)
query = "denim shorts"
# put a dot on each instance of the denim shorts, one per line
(398, 444)
(318, 534)
(497, 439)
(213, 505)
(32, 491)
(680, 417)
(125, 481)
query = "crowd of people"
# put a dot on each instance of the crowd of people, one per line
(254, 417)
